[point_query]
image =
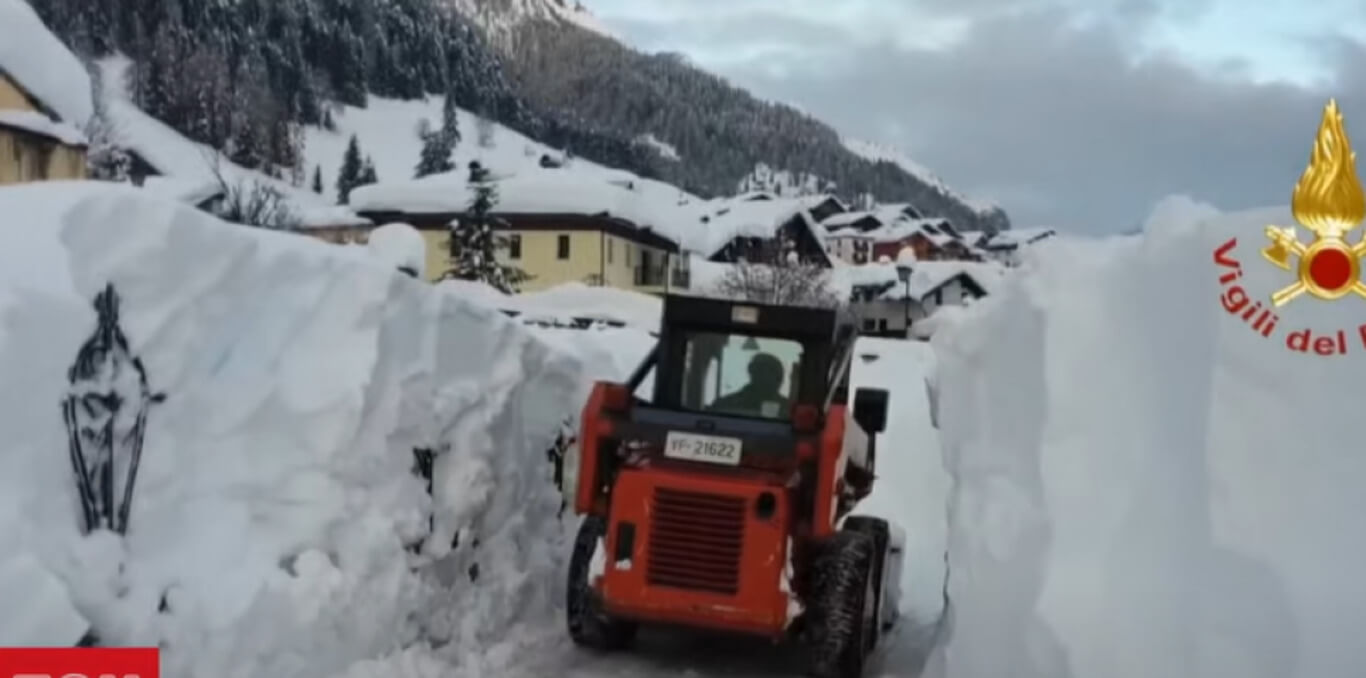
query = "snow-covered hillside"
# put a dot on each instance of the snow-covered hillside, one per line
(880, 152)
(499, 17)
(189, 168)
(1146, 485)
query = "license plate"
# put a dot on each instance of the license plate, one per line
(704, 448)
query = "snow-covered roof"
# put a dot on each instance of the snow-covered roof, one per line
(906, 228)
(1019, 236)
(757, 219)
(42, 65)
(849, 234)
(37, 123)
(841, 220)
(894, 210)
(926, 276)
(649, 204)
(883, 215)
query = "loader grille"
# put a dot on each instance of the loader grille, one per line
(696, 541)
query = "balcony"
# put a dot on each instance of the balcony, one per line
(659, 278)
(650, 276)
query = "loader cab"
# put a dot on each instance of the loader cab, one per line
(742, 360)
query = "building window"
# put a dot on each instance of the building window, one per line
(562, 247)
(515, 247)
(609, 249)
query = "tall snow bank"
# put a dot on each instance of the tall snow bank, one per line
(400, 246)
(1144, 484)
(275, 496)
(911, 487)
(642, 311)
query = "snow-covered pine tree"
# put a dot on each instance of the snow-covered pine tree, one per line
(367, 173)
(318, 179)
(349, 176)
(436, 151)
(450, 119)
(474, 244)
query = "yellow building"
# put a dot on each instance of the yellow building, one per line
(554, 249)
(35, 144)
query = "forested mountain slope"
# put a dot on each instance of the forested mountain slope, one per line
(720, 132)
(244, 75)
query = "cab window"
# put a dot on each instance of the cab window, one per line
(740, 374)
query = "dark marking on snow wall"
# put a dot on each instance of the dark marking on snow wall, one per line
(105, 412)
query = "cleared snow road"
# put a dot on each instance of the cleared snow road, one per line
(911, 491)
(672, 654)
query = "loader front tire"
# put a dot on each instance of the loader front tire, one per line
(843, 596)
(878, 530)
(589, 626)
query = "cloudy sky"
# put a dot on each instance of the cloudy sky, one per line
(1074, 113)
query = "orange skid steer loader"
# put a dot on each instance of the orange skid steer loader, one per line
(722, 502)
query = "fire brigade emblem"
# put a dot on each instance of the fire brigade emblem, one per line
(1329, 203)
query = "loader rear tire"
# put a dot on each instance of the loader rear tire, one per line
(878, 530)
(589, 625)
(843, 592)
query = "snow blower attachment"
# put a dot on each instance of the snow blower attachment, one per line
(722, 502)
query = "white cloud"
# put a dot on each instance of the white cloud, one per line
(1077, 113)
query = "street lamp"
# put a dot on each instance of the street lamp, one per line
(903, 273)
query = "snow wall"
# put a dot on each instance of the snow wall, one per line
(276, 493)
(1145, 483)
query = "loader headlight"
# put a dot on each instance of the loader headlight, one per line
(569, 473)
(765, 506)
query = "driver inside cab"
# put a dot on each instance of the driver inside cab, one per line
(762, 396)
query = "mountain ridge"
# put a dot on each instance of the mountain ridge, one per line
(559, 55)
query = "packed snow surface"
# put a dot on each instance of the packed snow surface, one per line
(276, 493)
(48, 618)
(1145, 483)
(42, 65)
